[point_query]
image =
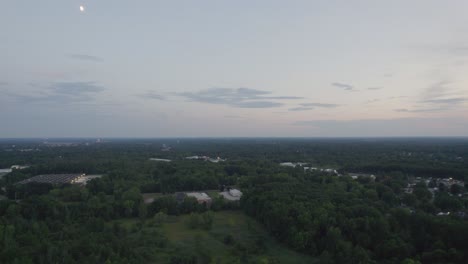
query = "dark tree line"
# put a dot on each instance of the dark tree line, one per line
(343, 221)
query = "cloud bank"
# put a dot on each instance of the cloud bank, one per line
(312, 106)
(85, 57)
(347, 87)
(62, 93)
(237, 97)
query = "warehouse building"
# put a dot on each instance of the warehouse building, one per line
(54, 179)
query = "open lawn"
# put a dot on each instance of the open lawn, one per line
(249, 242)
(233, 238)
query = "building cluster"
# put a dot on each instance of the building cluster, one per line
(166, 148)
(61, 144)
(334, 171)
(4, 172)
(448, 182)
(362, 175)
(434, 184)
(293, 164)
(28, 150)
(13, 148)
(410, 186)
(205, 158)
(306, 168)
(203, 198)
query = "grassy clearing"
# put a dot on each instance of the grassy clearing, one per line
(250, 241)
(233, 238)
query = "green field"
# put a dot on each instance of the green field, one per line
(250, 240)
(248, 243)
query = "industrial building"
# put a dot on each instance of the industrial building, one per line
(54, 178)
(84, 179)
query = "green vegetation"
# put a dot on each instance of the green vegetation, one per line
(232, 234)
(286, 215)
(343, 221)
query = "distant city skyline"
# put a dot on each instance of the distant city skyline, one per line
(211, 68)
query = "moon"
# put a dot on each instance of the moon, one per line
(82, 8)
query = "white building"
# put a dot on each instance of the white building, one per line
(160, 160)
(232, 195)
(202, 198)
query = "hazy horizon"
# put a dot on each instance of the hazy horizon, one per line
(223, 69)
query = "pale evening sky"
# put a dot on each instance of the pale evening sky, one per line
(233, 68)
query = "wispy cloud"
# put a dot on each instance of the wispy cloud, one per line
(75, 88)
(320, 105)
(151, 95)
(436, 90)
(237, 97)
(440, 95)
(374, 88)
(448, 101)
(405, 110)
(301, 109)
(384, 99)
(62, 92)
(312, 106)
(85, 57)
(257, 104)
(233, 116)
(345, 86)
(397, 97)
(373, 101)
(453, 49)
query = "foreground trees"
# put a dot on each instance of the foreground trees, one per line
(335, 219)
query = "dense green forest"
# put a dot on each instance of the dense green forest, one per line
(315, 216)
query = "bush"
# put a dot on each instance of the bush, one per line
(193, 221)
(228, 239)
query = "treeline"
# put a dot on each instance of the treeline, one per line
(436, 157)
(342, 221)
(417, 169)
(71, 224)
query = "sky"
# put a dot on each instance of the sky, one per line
(246, 68)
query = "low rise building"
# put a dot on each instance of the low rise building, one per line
(292, 164)
(54, 179)
(160, 160)
(231, 195)
(362, 175)
(84, 179)
(202, 198)
(19, 167)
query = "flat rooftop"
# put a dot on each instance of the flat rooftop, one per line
(52, 178)
(199, 196)
(232, 195)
